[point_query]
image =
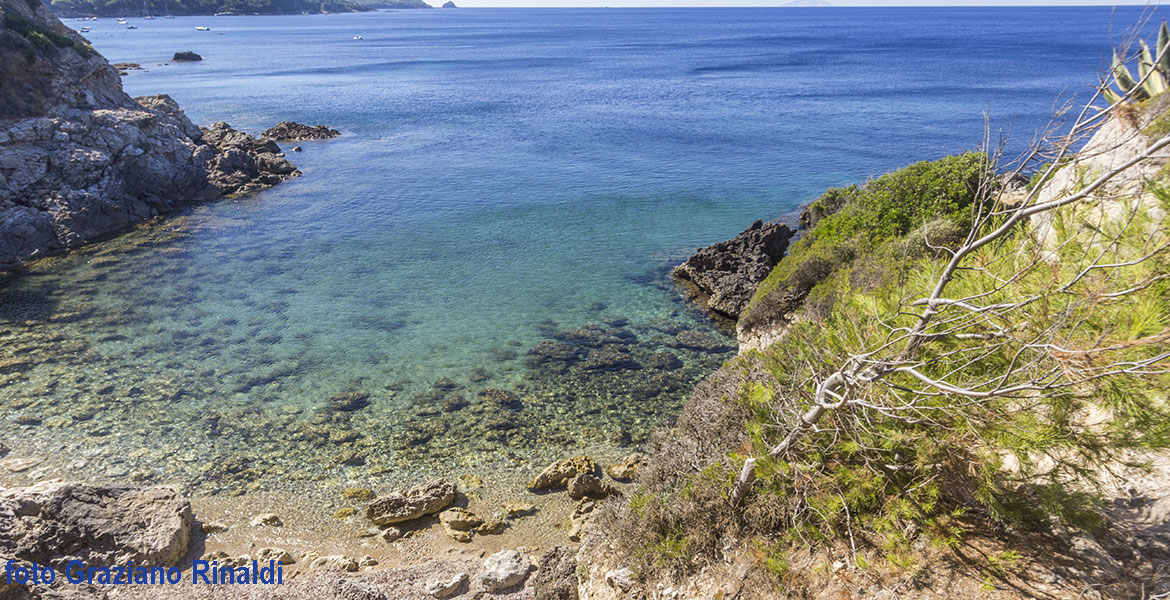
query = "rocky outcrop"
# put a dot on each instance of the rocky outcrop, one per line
(244, 164)
(81, 160)
(186, 56)
(559, 473)
(288, 131)
(424, 499)
(449, 4)
(55, 522)
(726, 273)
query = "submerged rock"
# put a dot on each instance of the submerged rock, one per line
(54, 522)
(288, 131)
(424, 499)
(186, 56)
(349, 401)
(727, 273)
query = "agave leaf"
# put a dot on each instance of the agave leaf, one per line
(1121, 75)
(1163, 55)
(1152, 80)
(1155, 83)
(1125, 80)
(1110, 96)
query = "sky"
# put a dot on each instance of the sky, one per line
(670, 3)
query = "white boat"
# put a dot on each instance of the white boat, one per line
(357, 37)
(131, 27)
(86, 29)
(202, 29)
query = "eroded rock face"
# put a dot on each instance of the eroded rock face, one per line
(80, 160)
(504, 569)
(424, 499)
(556, 575)
(727, 273)
(55, 522)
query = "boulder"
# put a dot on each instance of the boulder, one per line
(727, 273)
(288, 131)
(280, 555)
(504, 569)
(459, 523)
(559, 473)
(424, 499)
(55, 522)
(556, 575)
(584, 485)
(186, 56)
(449, 4)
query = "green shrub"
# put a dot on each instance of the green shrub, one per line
(852, 223)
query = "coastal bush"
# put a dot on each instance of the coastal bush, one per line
(1051, 365)
(848, 223)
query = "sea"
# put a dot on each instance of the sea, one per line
(475, 276)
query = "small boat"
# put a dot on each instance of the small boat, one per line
(148, 18)
(357, 37)
(86, 29)
(131, 27)
(93, 18)
(202, 29)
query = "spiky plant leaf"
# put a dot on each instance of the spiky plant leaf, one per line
(1110, 96)
(1152, 80)
(1163, 55)
(1125, 80)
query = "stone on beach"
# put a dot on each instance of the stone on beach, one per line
(559, 473)
(54, 522)
(424, 499)
(504, 569)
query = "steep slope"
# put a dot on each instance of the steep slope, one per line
(81, 160)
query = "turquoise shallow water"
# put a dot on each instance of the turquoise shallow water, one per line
(505, 178)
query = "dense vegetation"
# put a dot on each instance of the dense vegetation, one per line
(129, 8)
(31, 38)
(932, 198)
(903, 464)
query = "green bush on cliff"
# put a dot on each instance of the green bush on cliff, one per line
(870, 221)
(1082, 311)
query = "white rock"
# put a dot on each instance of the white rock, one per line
(446, 589)
(621, 579)
(504, 569)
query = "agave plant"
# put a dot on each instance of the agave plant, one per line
(1153, 72)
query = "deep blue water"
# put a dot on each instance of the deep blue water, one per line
(503, 174)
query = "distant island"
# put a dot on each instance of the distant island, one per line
(132, 8)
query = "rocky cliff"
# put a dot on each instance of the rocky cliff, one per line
(81, 160)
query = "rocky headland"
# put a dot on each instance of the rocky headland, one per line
(725, 274)
(80, 160)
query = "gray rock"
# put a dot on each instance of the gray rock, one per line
(350, 589)
(504, 569)
(727, 273)
(186, 56)
(288, 131)
(446, 588)
(81, 160)
(556, 575)
(424, 499)
(55, 522)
